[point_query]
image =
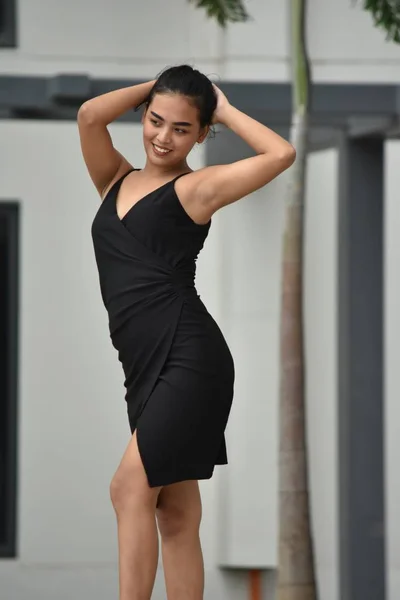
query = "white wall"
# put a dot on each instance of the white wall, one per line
(110, 39)
(251, 243)
(131, 39)
(72, 415)
(73, 424)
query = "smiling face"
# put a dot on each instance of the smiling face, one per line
(171, 127)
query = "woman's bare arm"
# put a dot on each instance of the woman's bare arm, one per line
(217, 186)
(103, 161)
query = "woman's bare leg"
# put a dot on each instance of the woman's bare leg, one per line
(179, 516)
(135, 505)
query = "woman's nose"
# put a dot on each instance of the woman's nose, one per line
(164, 136)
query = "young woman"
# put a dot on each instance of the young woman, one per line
(179, 373)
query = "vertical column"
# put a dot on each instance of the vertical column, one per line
(360, 366)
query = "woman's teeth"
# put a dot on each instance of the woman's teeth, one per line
(161, 150)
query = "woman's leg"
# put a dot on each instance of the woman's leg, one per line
(135, 505)
(179, 516)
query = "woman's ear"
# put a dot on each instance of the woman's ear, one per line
(203, 135)
(143, 115)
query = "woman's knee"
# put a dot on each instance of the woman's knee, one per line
(123, 488)
(129, 487)
(177, 518)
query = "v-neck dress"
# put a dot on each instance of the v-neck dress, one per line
(179, 371)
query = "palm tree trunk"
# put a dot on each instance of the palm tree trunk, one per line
(296, 578)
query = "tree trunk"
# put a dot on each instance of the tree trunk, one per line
(296, 578)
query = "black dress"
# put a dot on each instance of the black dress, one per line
(179, 372)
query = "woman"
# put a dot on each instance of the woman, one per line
(179, 373)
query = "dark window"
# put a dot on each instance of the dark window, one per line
(8, 34)
(9, 230)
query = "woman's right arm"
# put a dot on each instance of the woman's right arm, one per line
(103, 161)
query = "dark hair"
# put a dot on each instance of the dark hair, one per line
(191, 83)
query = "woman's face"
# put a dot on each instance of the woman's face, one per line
(170, 129)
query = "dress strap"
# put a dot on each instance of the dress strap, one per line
(117, 184)
(181, 175)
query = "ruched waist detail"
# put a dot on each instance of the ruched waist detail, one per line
(183, 283)
(141, 294)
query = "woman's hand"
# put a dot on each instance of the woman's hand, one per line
(222, 106)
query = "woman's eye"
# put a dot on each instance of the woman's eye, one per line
(157, 124)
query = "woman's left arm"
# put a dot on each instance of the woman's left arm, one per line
(220, 185)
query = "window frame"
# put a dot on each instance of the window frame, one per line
(10, 211)
(8, 32)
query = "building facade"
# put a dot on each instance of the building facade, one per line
(71, 420)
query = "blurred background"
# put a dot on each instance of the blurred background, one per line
(63, 424)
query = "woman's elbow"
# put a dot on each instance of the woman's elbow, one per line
(86, 114)
(288, 155)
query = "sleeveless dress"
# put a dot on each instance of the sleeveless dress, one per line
(179, 372)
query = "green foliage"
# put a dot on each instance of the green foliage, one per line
(224, 11)
(386, 14)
